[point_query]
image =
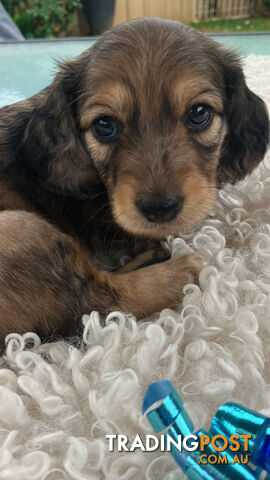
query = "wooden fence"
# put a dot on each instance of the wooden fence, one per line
(206, 9)
(182, 10)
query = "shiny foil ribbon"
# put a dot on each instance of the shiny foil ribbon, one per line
(165, 411)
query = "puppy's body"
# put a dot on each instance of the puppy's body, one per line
(127, 146)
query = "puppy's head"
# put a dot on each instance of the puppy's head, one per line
(157, 113)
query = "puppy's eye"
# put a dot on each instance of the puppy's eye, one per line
(199, 116)
(106, 128)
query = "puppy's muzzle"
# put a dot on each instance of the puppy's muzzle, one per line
(158, 209)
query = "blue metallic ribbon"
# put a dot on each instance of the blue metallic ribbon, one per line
(232, 419)
(164, 410)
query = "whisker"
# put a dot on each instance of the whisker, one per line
(94, 215)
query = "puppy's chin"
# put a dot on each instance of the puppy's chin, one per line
(142, 228)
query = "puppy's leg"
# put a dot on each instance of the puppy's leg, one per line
(153, 288)
(47, 281)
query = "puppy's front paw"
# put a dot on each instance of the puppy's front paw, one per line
(190, 265)
(151, 289)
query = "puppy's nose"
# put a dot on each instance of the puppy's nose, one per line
(160, 209)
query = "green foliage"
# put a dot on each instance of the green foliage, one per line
(43, 18)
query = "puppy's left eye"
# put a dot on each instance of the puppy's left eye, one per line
(106, 128)
(199, 116)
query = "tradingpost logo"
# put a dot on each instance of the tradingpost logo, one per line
(213, 450)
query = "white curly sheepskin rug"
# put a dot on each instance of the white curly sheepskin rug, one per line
(57, 402)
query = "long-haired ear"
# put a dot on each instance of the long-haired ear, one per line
(52, 148)
(248, 125)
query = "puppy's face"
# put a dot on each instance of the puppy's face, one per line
(154, 126)
(157, 148)
(158, 113)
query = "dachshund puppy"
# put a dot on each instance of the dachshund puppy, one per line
(127, 146)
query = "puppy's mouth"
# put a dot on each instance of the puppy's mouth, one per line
(160, 215)
(175, 217)
(151, 225)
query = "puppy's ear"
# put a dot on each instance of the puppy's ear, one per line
(248, 124)
(52, 148)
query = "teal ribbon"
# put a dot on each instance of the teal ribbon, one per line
(165, 411)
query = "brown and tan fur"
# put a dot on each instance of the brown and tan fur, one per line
(69, 201)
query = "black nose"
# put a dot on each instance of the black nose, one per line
(160, 209)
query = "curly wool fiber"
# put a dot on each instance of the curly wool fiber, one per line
(57, 401)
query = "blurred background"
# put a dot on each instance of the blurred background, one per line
(36, 34)
(65, 18)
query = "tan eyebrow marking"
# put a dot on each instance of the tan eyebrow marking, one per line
(111, 99)
(190, 90)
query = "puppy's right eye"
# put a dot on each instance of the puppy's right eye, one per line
(199, 116)
(106, 128)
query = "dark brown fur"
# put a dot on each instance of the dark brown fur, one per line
(75, 197)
